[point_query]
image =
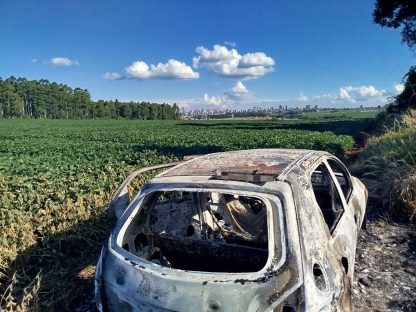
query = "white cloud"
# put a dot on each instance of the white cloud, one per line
(229, 63)
(326, 97)
(217, 54)
(111, 76)
(238, 94)
(302, 98)
(236, 97)
(398, 88)
(173, 69)
(347, 96)
(256, 59)
(343, 94)
(354, 94)
(230, 44)
(221, 100)
(63, 61)
(34, 60)
(239, 88)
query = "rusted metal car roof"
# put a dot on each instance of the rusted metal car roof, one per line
(257, 161)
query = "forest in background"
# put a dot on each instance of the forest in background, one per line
(20, 97)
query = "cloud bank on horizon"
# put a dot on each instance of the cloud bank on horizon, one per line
(239, 97)
(225, 61)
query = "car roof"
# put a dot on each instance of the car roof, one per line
(271, 162)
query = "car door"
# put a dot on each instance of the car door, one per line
(326, 236)
(340, 226)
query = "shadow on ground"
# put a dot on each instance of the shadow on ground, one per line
(65, 264)
(179, 151)
(339, 127)
(402, 305)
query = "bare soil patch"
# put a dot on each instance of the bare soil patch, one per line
(385, 268)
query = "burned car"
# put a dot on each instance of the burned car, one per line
(253, 230)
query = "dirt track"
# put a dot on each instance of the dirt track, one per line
(385, 268)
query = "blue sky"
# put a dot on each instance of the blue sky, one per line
(207, 54)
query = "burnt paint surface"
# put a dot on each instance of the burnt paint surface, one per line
(261, 161)
(319, 246)
(137, 285)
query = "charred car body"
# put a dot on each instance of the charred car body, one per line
(254, 230)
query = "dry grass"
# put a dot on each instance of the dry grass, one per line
(406, 189)
(55, 273)
(26, 300)
(48, 255)
(388, 164)
(43, 270)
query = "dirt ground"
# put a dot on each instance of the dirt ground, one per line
(385, 267)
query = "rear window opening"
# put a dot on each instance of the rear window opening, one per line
(200, 231)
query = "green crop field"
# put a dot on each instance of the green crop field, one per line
(57, 178)
(339, 114)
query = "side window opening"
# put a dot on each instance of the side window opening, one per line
(342, 177)
(201, 231)
(327, 196)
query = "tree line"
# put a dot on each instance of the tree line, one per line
(20, 97)
(400, 14)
